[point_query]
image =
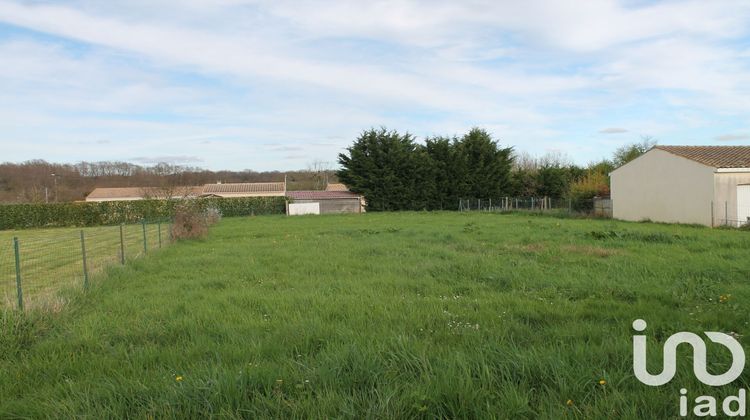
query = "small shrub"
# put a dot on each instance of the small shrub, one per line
(190, 221)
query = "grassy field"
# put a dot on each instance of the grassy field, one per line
(51, 259)
(408, 315)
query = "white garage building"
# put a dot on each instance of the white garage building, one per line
(708, 185)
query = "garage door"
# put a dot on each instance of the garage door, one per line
(743, 204)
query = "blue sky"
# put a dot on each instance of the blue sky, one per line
(256, 84)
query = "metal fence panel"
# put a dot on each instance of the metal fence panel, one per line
(51, 260)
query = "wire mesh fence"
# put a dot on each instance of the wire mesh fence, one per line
(35, 265)
(733, 217)
(598, 207)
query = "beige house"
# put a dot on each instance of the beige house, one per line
(255, 189)
(142, 193)
(708, 185)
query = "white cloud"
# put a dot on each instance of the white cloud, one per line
(613, 130)
(733, 137)
(537, 73)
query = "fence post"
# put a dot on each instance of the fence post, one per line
(85, 267)
(570, 205)
(159, 226)
(726, 213)
(122, 246)
(145, 246)
(19, 290)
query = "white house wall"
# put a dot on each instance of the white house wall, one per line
(725, 197)
(663, 187)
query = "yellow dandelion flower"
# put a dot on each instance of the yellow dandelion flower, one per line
(178, 378)
(602, 382)
(569, 403)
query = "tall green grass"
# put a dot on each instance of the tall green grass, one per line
(401, 315)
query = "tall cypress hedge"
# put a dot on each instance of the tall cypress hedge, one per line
(19, 216)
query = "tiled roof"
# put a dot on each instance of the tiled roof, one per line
(260, 188)
(134, 192)
(320, 195)
(140, 192)
(716, 156)
(244, 188)
(336, 187)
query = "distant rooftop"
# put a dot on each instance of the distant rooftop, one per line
(141, 192)
(336, 187)
(244, 188)
(716, 156)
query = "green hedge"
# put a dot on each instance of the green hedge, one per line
(19, 216)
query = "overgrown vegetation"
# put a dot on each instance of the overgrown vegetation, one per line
(390, 315)
(19, 216)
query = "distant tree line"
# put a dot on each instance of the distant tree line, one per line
(38, 181)
(394, 172)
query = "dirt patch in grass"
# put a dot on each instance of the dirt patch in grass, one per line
(593, 251)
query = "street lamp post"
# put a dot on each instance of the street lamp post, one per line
(54, 176)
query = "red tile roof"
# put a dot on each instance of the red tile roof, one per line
(716, 156)
(320, 195)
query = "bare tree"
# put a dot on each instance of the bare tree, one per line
(321, 172)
